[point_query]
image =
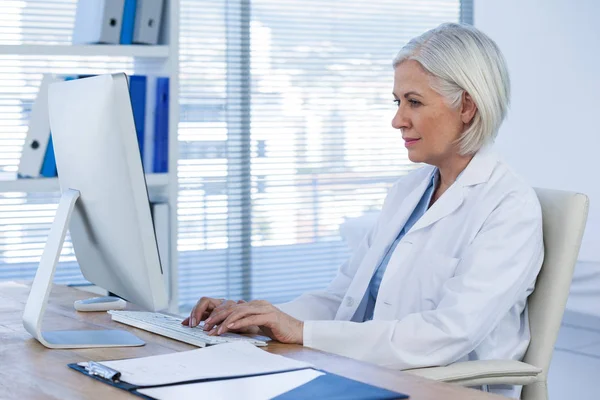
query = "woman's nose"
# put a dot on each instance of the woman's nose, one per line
(400, 121)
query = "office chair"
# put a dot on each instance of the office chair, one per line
(564, 217)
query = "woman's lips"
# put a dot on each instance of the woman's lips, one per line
(408, 142)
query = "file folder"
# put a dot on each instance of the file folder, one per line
(128, 22)
(148, 21)
(38, 133)
(258, 387)
(98, 21)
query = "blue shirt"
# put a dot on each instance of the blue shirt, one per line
(417, 213)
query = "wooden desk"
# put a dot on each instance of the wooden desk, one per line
(28, 370)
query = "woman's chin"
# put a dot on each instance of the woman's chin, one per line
(414, 156)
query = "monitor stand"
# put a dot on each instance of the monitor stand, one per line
(42, 285)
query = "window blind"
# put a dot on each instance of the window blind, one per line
(285, 132)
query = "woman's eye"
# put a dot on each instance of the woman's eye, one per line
(411, 102)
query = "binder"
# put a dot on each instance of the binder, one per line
(148, 21)
(335, 387)
(98, 21)
(49, 166)
(38, 133)
(128, 22)
(137, 93)
(161, 127)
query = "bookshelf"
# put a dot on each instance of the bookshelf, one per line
(158, 60)
(107, 50)
(155, 182)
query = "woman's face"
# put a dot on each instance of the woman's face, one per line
(429, 126)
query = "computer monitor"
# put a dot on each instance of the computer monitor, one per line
(104, 204)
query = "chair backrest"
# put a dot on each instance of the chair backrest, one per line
(564, 217)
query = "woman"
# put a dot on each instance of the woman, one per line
(445, 273)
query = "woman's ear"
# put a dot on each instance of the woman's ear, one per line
(468, 110)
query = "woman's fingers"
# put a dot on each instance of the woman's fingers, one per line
(251, 320)
(216, 311)
(217, 316)
(220, 313)
(240, 312)
(205, 304)
(257, 316)
(186, 321)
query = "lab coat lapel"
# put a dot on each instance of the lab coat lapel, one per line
(405, 209)
(389, 232)
(445, 205)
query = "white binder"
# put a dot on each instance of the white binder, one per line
(148, 21)
(98, 21)
(148, 152)
(160, 218)
(38, 133)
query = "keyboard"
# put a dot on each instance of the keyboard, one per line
(166, 325)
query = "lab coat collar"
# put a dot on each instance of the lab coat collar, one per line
(480, 168)
(478, 171)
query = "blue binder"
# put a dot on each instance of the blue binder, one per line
(128, 22)
(49, 165)
(137, 93)
(161, 127)
(336, 387)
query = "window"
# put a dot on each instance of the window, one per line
(303, 89)
(284, 133)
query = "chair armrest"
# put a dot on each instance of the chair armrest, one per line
(482, 372)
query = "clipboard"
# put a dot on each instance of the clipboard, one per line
(114, 381)
(328, 385)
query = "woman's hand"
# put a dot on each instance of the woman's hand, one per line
(201, 311)
(272, 322)
(207, 306)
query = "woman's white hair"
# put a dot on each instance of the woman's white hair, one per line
(462, 59)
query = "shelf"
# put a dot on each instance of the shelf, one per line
(51, 184)
(86, 50)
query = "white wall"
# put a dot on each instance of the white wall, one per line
(552, 135)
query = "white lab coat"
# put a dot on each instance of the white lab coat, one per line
(456, 285)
